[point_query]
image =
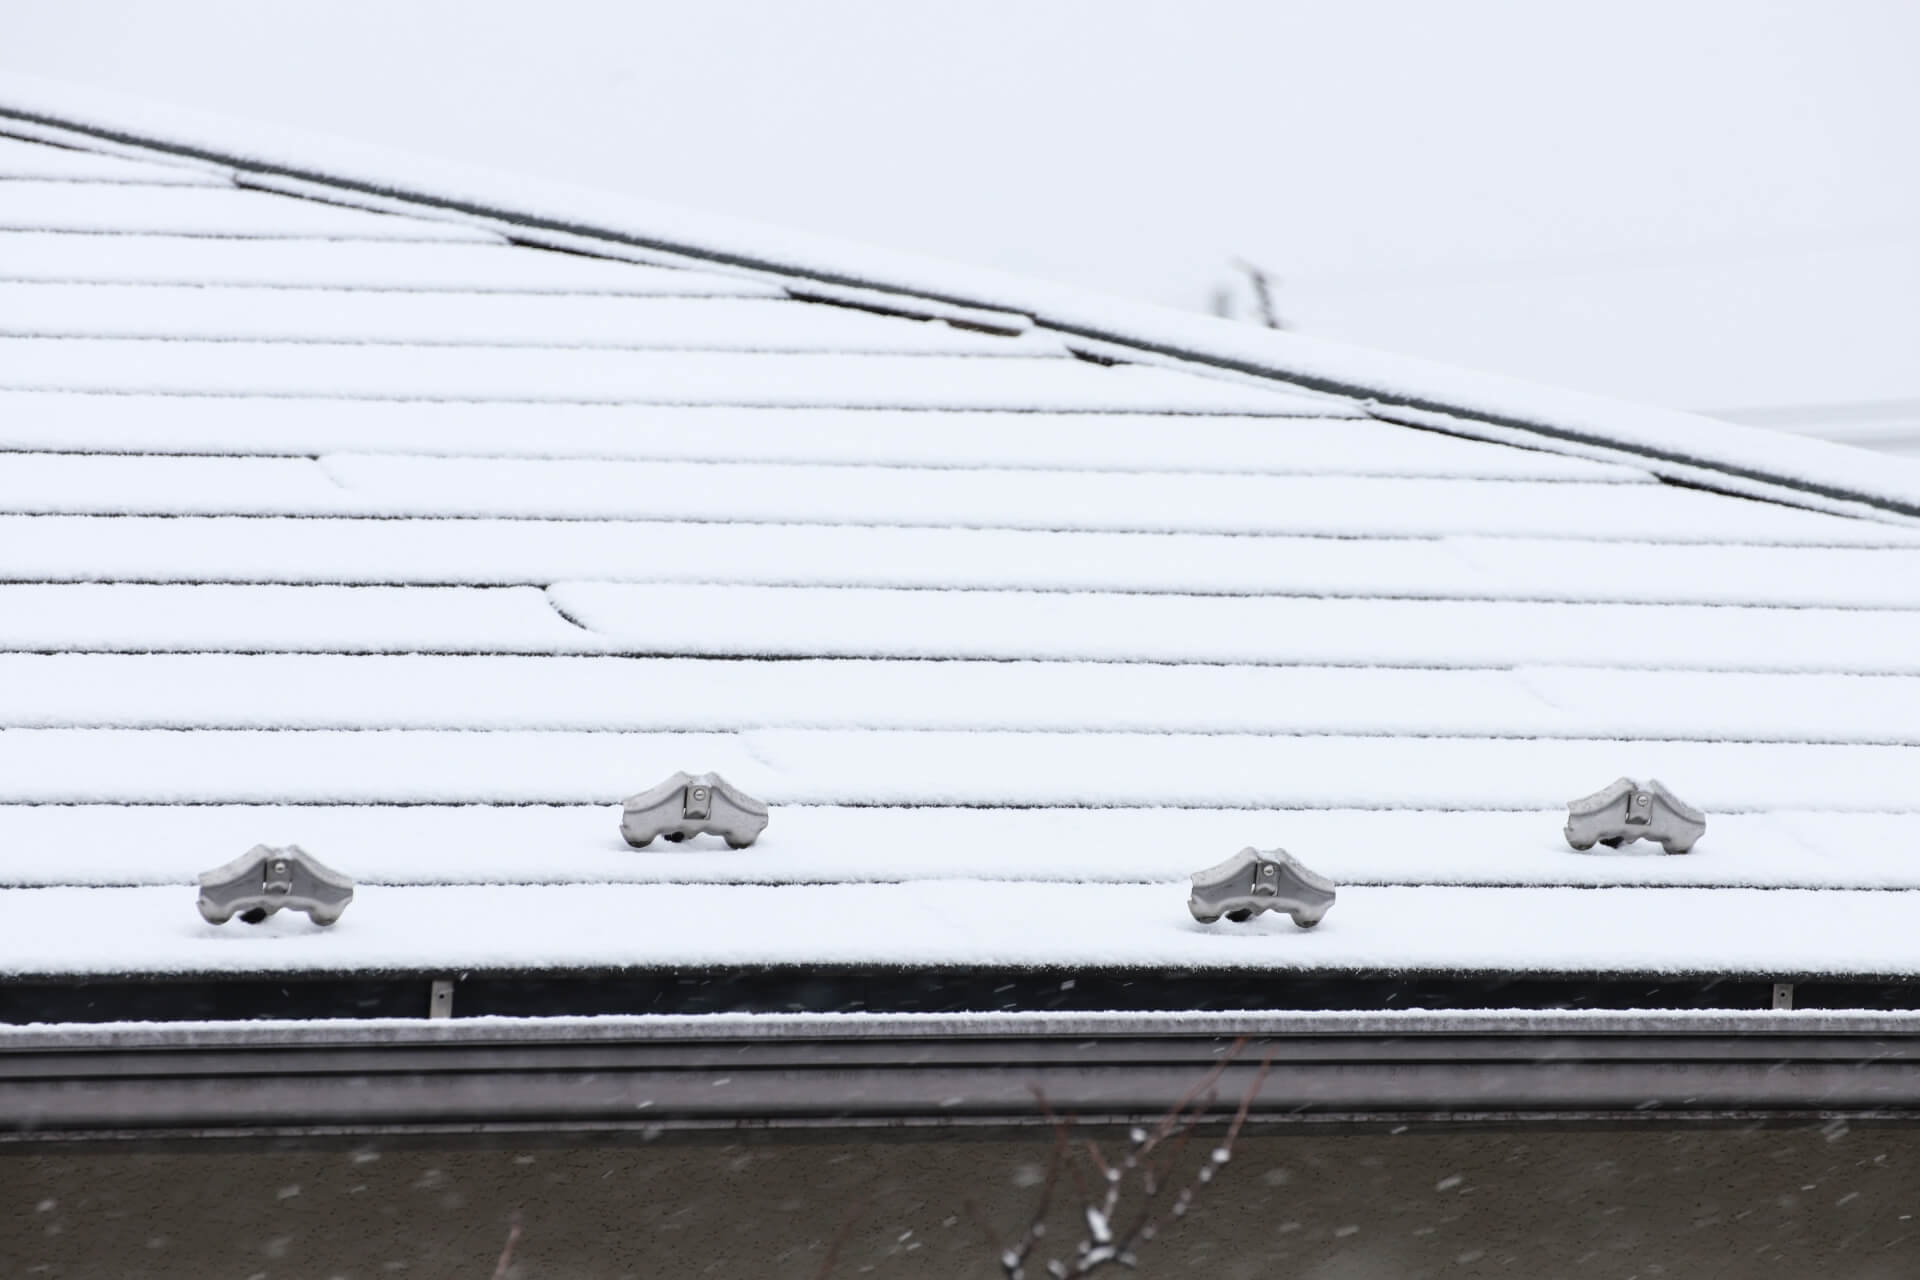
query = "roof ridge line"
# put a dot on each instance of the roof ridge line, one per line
(1412, 392)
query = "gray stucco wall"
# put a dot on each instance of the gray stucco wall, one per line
(1643, 1202)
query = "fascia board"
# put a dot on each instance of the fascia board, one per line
(606, 1078)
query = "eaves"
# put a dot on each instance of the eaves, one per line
(609, 1079)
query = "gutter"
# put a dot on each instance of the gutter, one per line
(617, 1077)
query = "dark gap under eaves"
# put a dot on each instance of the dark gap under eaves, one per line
(796, 990)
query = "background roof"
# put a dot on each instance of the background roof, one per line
(1689, 207)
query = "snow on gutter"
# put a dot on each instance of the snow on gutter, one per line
(1678, 446)
(571, 1076)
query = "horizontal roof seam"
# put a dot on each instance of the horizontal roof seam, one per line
(993, 806)
(802, 725)
(413, 452)
(813, 405)
(1063, 727)
(731, 296)
(529, 291)
(817, 808)
(67, 139)
(1533, 667)
(851, 652)
(1375, 882)
(505, 584)
(898, 731)
(473, 344)
(89, 180)
(510, 651)
(337, 238)
(1302, 533)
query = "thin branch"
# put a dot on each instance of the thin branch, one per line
(506, 1253)
(980, 1220)
(839, 1241)
(1217, 1157)
(1100, 1247)
(1063, 1148)
(1145, 1224)
(1246, 1103)
(1013, 1260)
(1099, 1160)
(1263, 282)
(1206, 1082)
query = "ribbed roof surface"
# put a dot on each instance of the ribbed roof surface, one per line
(421, 548)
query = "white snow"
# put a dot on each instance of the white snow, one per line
(106, 208)
(640, 695)
(894, 767)
(799, 622)
(580, 557)
(542, 844)
(1327, 506)
(152, 618)
(386, 266)
(33, 160)
(1320, 505)
(594, 376)
(946, 922)
(1267, 620)
(1680, 443)
(455, 318)
(1088, 442)
(1341, 236)
(781, 622)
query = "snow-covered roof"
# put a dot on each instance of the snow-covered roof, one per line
(419, 520)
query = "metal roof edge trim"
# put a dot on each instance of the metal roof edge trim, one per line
(682, 1028)
(1670, 443)
(1479, 1069)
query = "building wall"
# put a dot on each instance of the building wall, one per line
(1833, 1202)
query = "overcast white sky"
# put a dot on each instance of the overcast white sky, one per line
(1533, 187)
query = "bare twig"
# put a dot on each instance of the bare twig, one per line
(1063, 1144)
(839, 1241)
(1013, 1260)
(1149, 1225)
(1246, 1102)
(1144, 1164)
(1099, 1159)
(506, 1252)
(1206, 1082)
(1263, 282)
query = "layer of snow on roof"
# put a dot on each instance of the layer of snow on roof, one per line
(372, 531)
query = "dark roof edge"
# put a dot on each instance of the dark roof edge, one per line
(291, 1032)
(1680, 446)
(263, 1082)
